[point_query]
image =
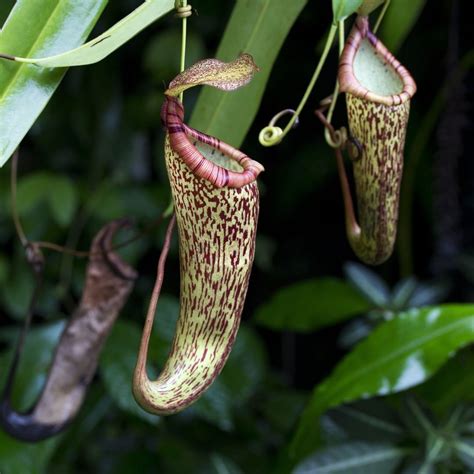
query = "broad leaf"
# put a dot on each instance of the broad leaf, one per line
(452, 384)
(399, 21)
(399, 354)
(36, 28)
(354, 458)
(312, 304)
(109, 41)
(258, 28)
(341, 9)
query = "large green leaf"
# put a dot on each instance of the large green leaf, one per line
(312, 304)
(258, 28)
(399, 20)
(36, 28)
(109, 41)
(355, 458)
(452, 384)
(399, 354)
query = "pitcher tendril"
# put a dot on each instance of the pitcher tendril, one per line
(272, 135)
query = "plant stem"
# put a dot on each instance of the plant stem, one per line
(382, 14)
(275, 139)
(183, 44)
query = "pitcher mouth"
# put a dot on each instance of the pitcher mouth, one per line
(368, 70)
(207, 157)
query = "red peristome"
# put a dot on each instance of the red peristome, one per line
(172, 115)
(349, 83)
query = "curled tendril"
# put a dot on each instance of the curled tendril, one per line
(336, 138)
(271, 134)
(184, 11)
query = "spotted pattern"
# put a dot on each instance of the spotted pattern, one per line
(217, 231)
(377, 174)
(378, 124)
(212, 72)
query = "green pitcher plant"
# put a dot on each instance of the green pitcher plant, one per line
(216, 202)
(378, 92)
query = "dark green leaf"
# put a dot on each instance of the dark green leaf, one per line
(309, 305)
(63, 201)
(399, 20)
(452, 384)
(368, 283)
(370, 420)
(354, 458)
(341, 9)
(22, 458)
(258, 28)
(399, 354)
(36, 28)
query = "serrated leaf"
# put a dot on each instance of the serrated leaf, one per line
(34, 28)
(109, 41)
(354, 458)
(258, 28)
(399, 354)
(343, 8)
(312, 304)
(368, 283)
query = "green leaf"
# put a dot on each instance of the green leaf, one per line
(109, 41)
(354, 458)
(367, 420)
(258, 28)
(63, 200)
(399, 354)
(34, 363)
(368, 283)
(33, 28)
(400, 18)
(58, 191)
(309, 305)
(20, 458)
(341, 9)
(451, 385)
(465, 451)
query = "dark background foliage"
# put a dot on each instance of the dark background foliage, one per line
(96, 154)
